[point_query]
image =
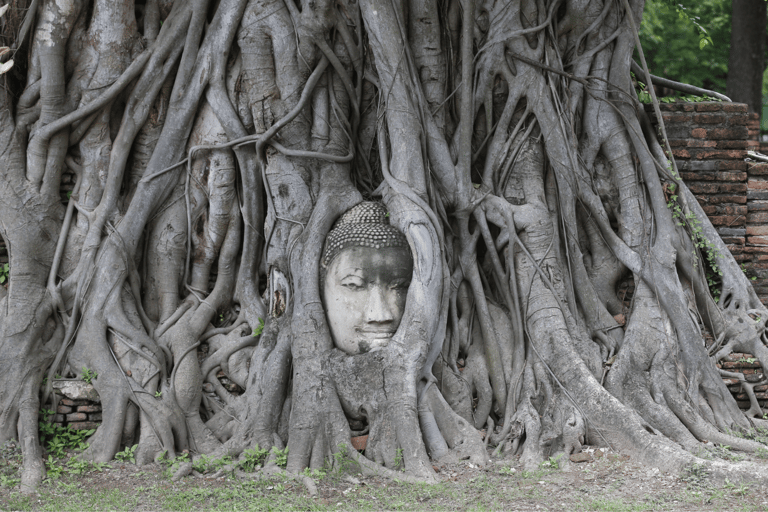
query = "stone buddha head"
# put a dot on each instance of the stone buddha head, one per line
(366, 269)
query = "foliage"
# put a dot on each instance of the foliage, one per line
(281, 456)
(552, 462)
(259, 329)
(253, 458)
(688, 42)
(127, 455)
(692, 225)
(58, 440)
(89, 375)
(4, 273)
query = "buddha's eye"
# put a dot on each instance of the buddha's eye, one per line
(353, 283)
(400, 284)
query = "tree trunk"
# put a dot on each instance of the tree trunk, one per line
(746, 61)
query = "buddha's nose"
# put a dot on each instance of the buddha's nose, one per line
(378, 309)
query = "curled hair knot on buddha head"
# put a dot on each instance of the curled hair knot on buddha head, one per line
(364, 225)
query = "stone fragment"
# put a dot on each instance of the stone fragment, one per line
(581, 457)
(76, 390)
(83, 425)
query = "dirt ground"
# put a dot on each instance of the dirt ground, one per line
(607, 481)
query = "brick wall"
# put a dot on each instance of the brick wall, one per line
(709, 143)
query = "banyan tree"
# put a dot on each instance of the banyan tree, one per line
(489, 182)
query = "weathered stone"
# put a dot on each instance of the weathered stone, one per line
(359, 443)
(76, 390)
(83, 425)
(77, 416)
(581, 457)
(89, 408)
(63, 409)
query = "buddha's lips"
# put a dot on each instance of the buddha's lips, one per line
(376, 334)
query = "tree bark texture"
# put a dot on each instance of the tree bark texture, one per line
(747, 59)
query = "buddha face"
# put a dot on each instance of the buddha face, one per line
(364, 296)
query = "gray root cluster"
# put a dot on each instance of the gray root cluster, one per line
(214, 145)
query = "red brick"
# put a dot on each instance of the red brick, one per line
(676, 118)
(730, 165)
(711, 154)
(737, 120)
(758, 169)
(709, 106)
(757, 240)
(731, 144)
(695, 143)
(758, 218)
(734, 107)
(710, 118)
(733, 133)
(727, 220)
(757, 185)
(699, 133)
(703, 188)
(77, 416)
(757, 230)
(732, 187)
(740, 199)
(63, 409)
(681, 153)
(89, 408)
(676, 143)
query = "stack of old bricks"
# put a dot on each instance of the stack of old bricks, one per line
(79, 405)
(78, 414)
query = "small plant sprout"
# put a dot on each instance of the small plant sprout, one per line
(259, 328)
(127, 455)
(89, 375)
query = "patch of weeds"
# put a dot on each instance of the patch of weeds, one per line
(57, 439)
(253, 458)
(88, 375)
(203, 463)
(281, 456)
(739, 490)
(551, 463)
(612, 505)
(127, 455)
(723, 451)
(695, 475)
(399, 458)
(315, 473)
(535, 474)
(10, 462)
